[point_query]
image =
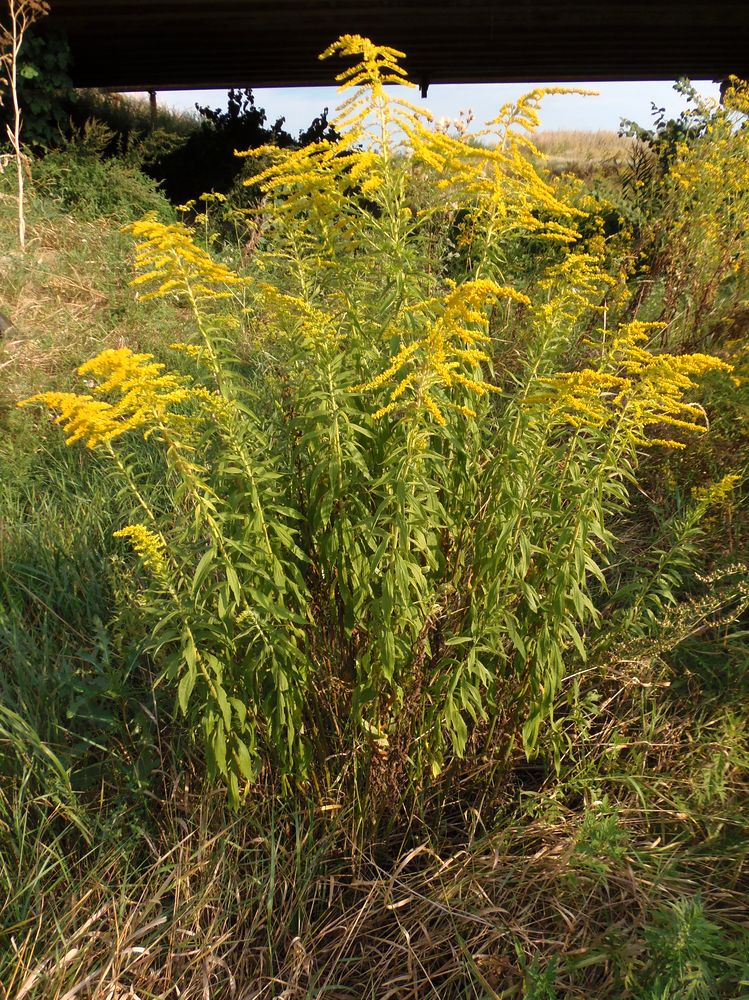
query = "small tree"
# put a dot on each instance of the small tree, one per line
(21, 14)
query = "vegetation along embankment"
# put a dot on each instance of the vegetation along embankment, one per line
(372, 526)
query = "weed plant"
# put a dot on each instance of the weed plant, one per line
(439, 551)
(419, 572)
(85, 182)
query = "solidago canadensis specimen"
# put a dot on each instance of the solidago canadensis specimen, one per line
(393, 515)
(697, 244)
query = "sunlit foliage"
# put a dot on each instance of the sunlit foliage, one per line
(395, 509)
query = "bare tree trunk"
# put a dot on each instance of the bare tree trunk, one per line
(17, 32)
(22, 14)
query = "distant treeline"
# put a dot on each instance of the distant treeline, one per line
(187, 153)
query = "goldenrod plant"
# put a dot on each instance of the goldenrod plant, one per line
(690, 200)
(394, 513)
(391, 504)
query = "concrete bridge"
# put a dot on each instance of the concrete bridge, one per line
(172, 44)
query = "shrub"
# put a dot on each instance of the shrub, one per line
(44, 89)
(90, 186)
(207, 161)
(130, 119)
(691, 204)
(394, 510)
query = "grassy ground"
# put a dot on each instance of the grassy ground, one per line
(613, 864)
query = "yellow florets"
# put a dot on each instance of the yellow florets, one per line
(377, 66)
(149, 546)
(449, 353)
(574, 286)
(84, 418)
(491, 170)
(146, 397)
(717, 494)
(315, 181)
(299, 318)
(191, 350)
(170, 263)
(633, 385)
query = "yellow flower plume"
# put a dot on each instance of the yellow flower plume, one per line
(449, 353)
(315, 180)
(145, 397)
(149, 546)
(370, 103)
(639, 387)
(169, 263)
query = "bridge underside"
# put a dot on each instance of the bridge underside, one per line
(172, 44)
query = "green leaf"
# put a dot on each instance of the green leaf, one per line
(244, 760)
(458, 728)
(225, 708)
(202, 569)
(240, 710)
(186, 686)
(218, 746)
(233, 580)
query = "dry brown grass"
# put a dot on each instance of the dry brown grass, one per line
(282, 904)
(209, 919)
(581, 152)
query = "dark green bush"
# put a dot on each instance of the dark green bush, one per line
(45, 90)
(90, 186)
(207, 161)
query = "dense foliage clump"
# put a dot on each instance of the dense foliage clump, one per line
(402, 545)
(404, 517)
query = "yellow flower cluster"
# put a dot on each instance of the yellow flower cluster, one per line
(716, 493)
(640, 388)
(487, 171)
(370, 103)
(208, 198)
(491, 169)
(168, 260)
(194, 351)
(526, 111)
(377, 65)
(149, 546)
(298, 318)
(451, 343)
(146, 397)
(214, 405)
(315, 179)
(83, 417)
(500, 183)
(574, 286)
(736, 97)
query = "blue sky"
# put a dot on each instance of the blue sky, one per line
(616, 100)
